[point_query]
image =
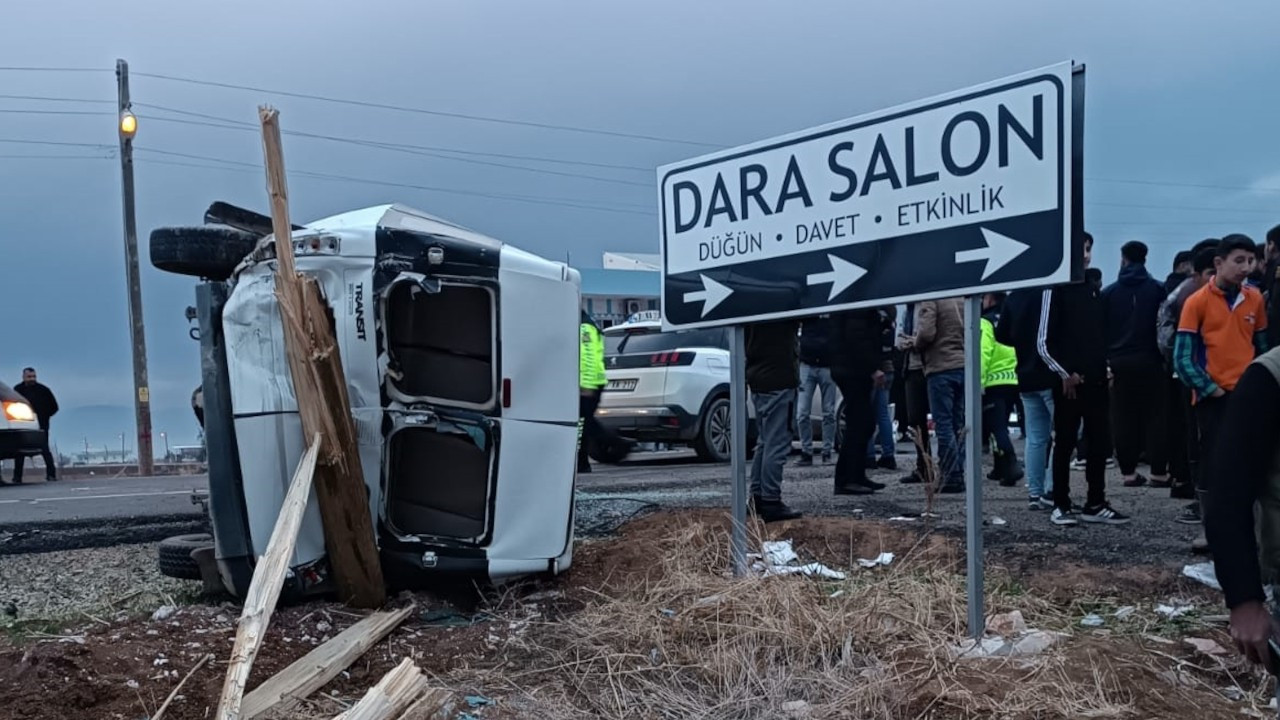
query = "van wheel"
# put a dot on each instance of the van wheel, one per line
(714, 440)
(209, 251)
(175, 556)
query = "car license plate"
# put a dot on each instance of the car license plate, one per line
(621, 385)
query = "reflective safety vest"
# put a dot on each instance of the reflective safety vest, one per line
(999, 362)
(591, 358)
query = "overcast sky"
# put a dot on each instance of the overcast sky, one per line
(1180, 95)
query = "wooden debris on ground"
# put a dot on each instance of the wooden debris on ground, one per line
(320, 666)
(400, 691)
(264, 589)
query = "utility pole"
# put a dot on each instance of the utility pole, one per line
(128, 127)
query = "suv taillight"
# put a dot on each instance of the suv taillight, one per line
(672, 359)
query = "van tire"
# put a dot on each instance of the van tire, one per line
(211, 252)
(715, 432)
(175, 556)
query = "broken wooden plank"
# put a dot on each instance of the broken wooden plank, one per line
(397, 690)
(264, 589)
(320, 666)
(324, 406)
(177, 688)
(428, 707)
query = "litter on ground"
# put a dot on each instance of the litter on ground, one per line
(1202, 573)
(1173, 611)
(1092, 620)
(777, 559)
(884, 558)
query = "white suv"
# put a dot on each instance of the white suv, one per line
(668, 387)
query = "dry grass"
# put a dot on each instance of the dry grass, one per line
(690, 642)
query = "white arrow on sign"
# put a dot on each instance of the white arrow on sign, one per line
(711, 294)
(1000, 251)
(843, 275)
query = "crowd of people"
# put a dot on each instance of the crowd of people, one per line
(1137, 371)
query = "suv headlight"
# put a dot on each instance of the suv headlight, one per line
(19, 412)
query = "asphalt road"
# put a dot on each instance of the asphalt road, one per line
(84, 513)
(93, 498)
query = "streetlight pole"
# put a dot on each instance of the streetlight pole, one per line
(128, 127)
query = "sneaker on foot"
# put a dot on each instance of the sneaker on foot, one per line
(1138, 480)
(912, 479)
(1111, 462)
(1034, 505)
(1103, 514)
(887, 462)
(1162, 484)
(854, 490)
(955, 488)
(826, 458)
(1190, 515)
(1046, 502)
(869, 483)
(1063, 517)
(805, 460)
(1078, 464)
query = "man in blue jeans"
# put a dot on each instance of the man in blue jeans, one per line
(773, 372)
(815, 375)
(882, 420)
(1024, 312)
(939, 339)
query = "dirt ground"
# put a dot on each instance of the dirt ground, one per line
(637, 603)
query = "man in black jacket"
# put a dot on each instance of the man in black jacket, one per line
(773, 373)
(1138, 393)
(45, 406)
(857, 357)
(1072, 342)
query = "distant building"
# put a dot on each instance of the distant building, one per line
(632, 261)
(627, 284)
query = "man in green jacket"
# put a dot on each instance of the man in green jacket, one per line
(999, 392)
(591, 383)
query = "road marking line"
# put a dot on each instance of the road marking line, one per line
(34, 501)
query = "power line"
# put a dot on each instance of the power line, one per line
(423, 111)
(45, 98)
(55, 157)
(55, 69)
(1162, 183)
(410, 150)
(250, 167)
(1181, 207)
(54, 143)
(20, 111)
(228, 124)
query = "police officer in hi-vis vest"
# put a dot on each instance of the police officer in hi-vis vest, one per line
(591, 382)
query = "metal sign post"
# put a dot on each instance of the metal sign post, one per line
(973, 462)
(738, 448)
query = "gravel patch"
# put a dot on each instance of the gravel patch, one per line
(83, 583)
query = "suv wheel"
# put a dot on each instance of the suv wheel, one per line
(175, 556)
(713, 441)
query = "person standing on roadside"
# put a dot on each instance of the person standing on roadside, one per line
(1183, 437)
(1137, 392)
(999, 391)
(773, 374)
(592, 380)
(939, 337)
(1271, 286)
(1222, 329)
(815, 375)
(1072, 341)
(1019, 326)
(916, 396)
(882, 421)
(857, 358)
(45, 406)
(1246, 554)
